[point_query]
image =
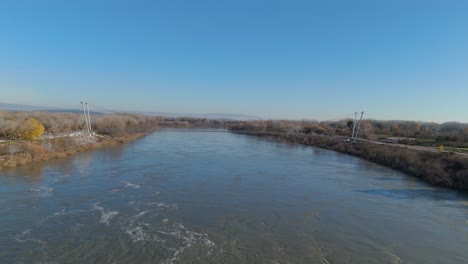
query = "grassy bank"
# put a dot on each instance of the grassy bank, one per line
(440, 169)
(30, 136)
(17, 153)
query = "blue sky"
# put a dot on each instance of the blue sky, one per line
(283, 59)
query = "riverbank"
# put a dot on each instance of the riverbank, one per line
(19, 153)
(439, 169)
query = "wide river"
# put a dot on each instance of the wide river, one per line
(216, 197)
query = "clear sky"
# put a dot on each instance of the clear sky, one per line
(283, 59)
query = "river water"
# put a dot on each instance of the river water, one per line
(217, 197)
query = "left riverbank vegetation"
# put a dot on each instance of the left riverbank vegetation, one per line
(32, 136)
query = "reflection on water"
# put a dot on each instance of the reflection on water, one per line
(186, 197)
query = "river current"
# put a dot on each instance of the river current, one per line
(191, 196)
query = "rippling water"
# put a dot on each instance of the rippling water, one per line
(217, 197)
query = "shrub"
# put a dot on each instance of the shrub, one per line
(30, 130)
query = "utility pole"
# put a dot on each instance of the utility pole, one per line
(359, 125)
(89, 120)
(86, 118)
(84, 114)
(354, 125)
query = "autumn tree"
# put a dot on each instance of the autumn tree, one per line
(441, 148)
(31, 129)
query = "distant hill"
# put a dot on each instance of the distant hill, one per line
(208, 116)
(20, 107)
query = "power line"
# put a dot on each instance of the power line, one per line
(340, 117)
(105, 109)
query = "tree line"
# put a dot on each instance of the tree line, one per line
(29, 125)
(369, 129)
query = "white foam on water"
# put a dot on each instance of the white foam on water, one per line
(53, 219)
(62, 213)
(70, 212)
(175, 239)
(77, 227)
(137, 233)
(97, 207)
(394, 258)
(131, 185)
(135, 217)
(43, 191)
(141, 232)
(188, 239)
(25, 236)
(106, 214)
(163, 205)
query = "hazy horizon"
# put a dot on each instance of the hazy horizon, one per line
(233, 116)
(273, 59)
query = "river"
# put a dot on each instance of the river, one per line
(187, 196)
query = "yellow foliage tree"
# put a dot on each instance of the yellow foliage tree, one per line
(31, 129)
(441, 148)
